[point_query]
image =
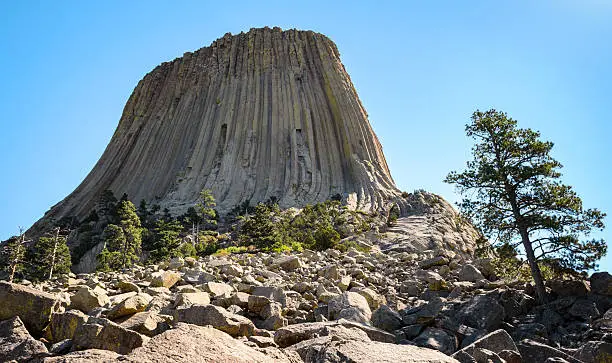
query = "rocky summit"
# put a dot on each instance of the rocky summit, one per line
(392, 306)
(262, 114)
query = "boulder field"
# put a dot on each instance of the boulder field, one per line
(306, 307)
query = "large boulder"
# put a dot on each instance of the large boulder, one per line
(438, 339)
(149, 323)
(532, 351)
(496, 342)
(217, 288)
(482, 312)
(186, 299)
(350, 306)
(64, 325)
(86, 299)
(595, 352)
(470, 273)
(386, 319)
(601, 283)
(296, 333)
(373, 298)
(190, 343)
(131, 305)
(165, 279)
(288, 263)
(216, 316)
(358, 351)
(16, 344)
(33, 307)
(100, 333)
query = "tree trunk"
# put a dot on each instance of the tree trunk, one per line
(54, 252)
(533, 265)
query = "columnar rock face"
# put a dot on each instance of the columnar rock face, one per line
(267, 113)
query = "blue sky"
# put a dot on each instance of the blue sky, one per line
(420, 68)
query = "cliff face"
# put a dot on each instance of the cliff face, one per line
(255, 115)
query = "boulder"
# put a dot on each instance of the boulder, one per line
(482, 312)
(386, 319)
(438, 339)
(217, 288)
(350, 306)
(288, 263)
(595, 352)
(64, 325)
(33, 307)
(495, 342)
(272, 293)
(148, 323)
(216, 316)
(131, 305)
(532, 351)
(86, 299)
(357, 351)
(100, 333)
(16, 344)
(374, 299)
(190, 343)
(584, 310)
(470, 273)
(128, 286)
(165, 279)
(435, 261)
(563, 288)
(601, 283)
(184, 300)
(296, 333)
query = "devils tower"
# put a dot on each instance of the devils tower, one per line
(267, 113)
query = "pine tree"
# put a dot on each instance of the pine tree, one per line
(122, 241)
(51, 256)
(14, 252)
(517, 200)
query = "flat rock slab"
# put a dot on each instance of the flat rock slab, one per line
(190, 343)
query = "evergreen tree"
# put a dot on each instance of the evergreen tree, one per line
(51, 256)
(122, 241)
(517, 199)
(14, 254)
(167, 240)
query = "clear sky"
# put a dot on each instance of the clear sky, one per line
(420, 68)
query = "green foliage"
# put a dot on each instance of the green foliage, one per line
(263, 228)
(122, 241)
(51, 257)
(186, 250)
(207, 245)
(167, 239)
(205, 208)
(14, 256)
(516, 197)
(394, 214)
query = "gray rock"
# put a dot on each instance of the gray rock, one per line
(532, 351)
(131, 305)
(184, 300)
(87, 299)
(216, 316)
(356, 351)
(165, 279)
(595, 352)
(16, 344)
(470, 273)
(374, 299)
(190, 343)
(148, 323)
(64, 325)
(482, 312)
(104, 334)
(217, 288)
(33, 307)
(584, 309)
(271, 292)
(601, 283)
(438, 339)
(496, 342)
(288, 263)
(386, 319)
(563, 288)
(350, 306)
(296, 333)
